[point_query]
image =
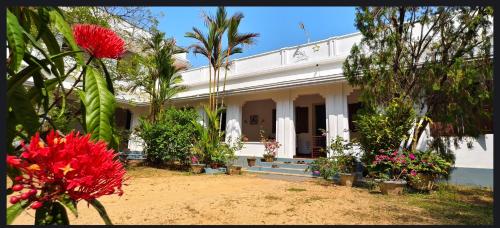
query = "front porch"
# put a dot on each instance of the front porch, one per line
(294, 117)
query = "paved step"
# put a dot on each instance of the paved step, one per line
(279, 170)
(279, 173)
(282, 165)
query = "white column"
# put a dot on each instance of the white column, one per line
(233, 121)
(336, 113)
(203, 115)
(285, 127)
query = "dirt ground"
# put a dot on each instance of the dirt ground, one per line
(155, 196)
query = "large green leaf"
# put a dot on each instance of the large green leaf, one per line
(15, 210)
(51, 213)
(63, 27)
(99, 105)
(17, 46)
(102, 212)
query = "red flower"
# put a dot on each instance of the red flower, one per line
(72, 165)
(98, 41)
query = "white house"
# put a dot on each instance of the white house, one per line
(291, 93)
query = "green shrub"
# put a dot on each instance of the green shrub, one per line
(327, 167)
(343, 155)
(171, 137)
(384, 129)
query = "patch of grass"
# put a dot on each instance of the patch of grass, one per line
(314, 198)
(271, 197)
(452, 204)
(296, 189)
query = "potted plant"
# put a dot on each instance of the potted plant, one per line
(393, 165)
(231, 149)
(425, 168)
(196, 167)
(271, 147)
(345, 159)
(324, 167)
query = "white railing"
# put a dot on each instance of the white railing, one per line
(333, 47)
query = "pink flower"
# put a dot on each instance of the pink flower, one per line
(413, 173)
(412, 157)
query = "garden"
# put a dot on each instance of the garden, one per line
(63, 145)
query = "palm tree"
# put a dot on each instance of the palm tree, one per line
(210, 46)
(234, 40)
(164, 77)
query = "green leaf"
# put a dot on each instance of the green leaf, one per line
(99, 106)
(19, 78)
(102, 212)
(69, 203)
(15, 210)
(22, 110)
(16, 41)
(51, 214)
(108, 77)
(63, 27)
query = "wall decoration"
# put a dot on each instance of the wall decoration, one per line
(254, 119)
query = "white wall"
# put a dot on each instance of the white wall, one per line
(263, 109)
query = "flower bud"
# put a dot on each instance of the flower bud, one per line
(17, 187)
(14, 199)
(25, 195)
(32, 191)
(36, 205)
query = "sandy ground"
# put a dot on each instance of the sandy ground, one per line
(164, 197)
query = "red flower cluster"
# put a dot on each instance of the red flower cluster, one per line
(98, 41)
(71, 165)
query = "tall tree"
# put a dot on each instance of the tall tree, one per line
(439, 58)
(160, 76)
(234, 41)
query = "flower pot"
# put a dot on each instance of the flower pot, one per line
(214, 165)
(251, 161)
(234, 170)
(268, 158)
(392, 187)
(197, 168)
(423, 182)
(347, 179)
(316, 173)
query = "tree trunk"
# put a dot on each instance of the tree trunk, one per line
(418, 133)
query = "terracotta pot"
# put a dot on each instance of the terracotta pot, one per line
(234, 170)
(347, 179)
(423, 182)
(268, 158)
(392, 187)
(197, 168)
(251, 161)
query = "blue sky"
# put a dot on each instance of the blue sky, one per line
(278, 26)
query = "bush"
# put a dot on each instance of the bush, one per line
(343, 155)
(384, 129)
(171, 137)
(327, 167)
(429, 163)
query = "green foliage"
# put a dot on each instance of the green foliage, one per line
(51, 213)
(210, 145)
(327, 167)
(431, 163)
(343, 155)
(15, 210)
(384, 129)
(417, 54)
(171, 137)
(99, 105)
(15, 40)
